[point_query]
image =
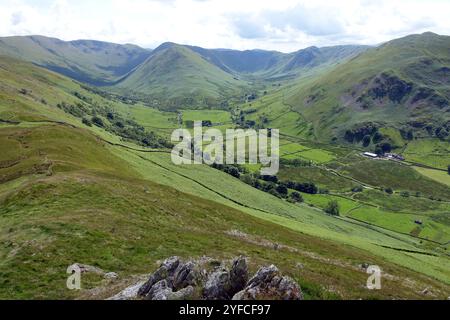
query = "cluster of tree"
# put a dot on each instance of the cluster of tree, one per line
(273, 186)
(296, 163)
(407, 134)
(332, 208)
(104, 117)
(363, 132)
(305, 187)
(79, 110)
(82, 97)
(269, 184)
(368, 134)
(242, 122)
(383, 148)
(111, 96)
(442, 133)
(430, 129)
(190, 123)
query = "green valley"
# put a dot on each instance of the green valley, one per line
(86, 174)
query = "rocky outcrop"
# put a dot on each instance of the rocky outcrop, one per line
(165, 272)
(212, 280)
(130, 293)
(391, 86)
(269, 284)
(187, 275)
(238, 274)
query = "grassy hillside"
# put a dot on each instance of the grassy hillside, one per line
(173, 76)
(402, 84)
(180, 78)
(92, 62)
(98, 211)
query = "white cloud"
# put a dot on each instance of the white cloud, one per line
(284, 25)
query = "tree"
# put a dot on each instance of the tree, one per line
(410, 135)
(307, 187)
(247, 179)
(296, 197)
(389, 190)
(282, 189)
(98, 122)
(405, 194)
(233, 171)
(273, 179)
(333, 208)
(448, 169)
(207, 123)
(119, 124)
(387, 147)
(378, 137)
(275, 193)
(366, 141)
(87, 122)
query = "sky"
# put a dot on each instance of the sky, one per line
(282, 25)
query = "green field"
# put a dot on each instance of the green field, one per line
(215, 116)
(429, 152)
(439, 176)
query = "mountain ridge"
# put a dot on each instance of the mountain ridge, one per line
(403, 82)
(107, 64)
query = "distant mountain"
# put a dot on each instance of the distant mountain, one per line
(178, 74)
(194, 76)
(271, 64)
(404, 83)
(173, 74)
(244, 62)
(92, 62)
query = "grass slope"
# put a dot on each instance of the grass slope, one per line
(402, 82)
(93, 62)
(176, 72)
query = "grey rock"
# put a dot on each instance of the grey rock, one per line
(171, 264)
(84, 268)
(425, 292)
(160, 291)
(218, 286)
(111, 275)
(130, 293)
(175, 280)
(263, 276)
(269, 284)
(186, 275)
(183, 294)
(288, 289)
(238, 275)
(239, 295)
(165, 271)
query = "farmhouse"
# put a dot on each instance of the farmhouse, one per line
(370, 155)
